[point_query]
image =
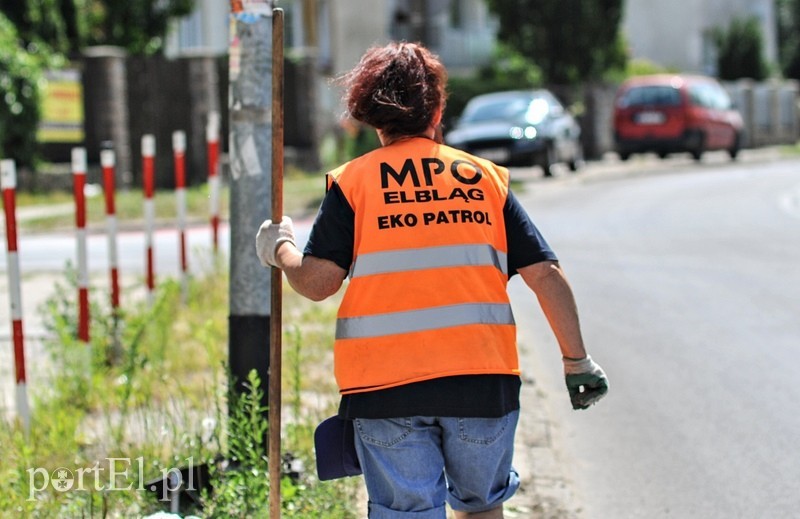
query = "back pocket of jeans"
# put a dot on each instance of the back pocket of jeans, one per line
(384, 432)
(481, 430)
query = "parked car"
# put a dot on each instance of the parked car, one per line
(519, 128)
(673, 113)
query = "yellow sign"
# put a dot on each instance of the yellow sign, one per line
(61, 107)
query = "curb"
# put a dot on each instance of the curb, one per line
(611, 167)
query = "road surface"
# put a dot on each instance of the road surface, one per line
(688, 283)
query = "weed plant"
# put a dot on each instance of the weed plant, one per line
(150, 393)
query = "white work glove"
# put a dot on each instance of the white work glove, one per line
(270, 236)
(586, 381)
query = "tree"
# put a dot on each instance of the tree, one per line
(788, 13)
(38, 34)
(508, 70)
(571, 40)
(20, 71)
(50, 23)
(740, 50)
(139, 26)
(66, 26)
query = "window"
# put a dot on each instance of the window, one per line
(709, 96)
(656, 95)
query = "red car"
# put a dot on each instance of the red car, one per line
(675, 113)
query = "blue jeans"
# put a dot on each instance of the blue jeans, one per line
(413, 465)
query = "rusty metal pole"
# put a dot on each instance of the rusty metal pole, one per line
(275, 353)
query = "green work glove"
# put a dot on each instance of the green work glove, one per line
(586, 381)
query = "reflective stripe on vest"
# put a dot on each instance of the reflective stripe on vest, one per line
(428, 258)
(423, 320)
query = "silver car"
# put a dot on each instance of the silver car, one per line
(519, 128)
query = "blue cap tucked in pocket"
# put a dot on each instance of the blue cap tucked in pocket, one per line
(335, 446)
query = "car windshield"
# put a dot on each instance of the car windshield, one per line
(655, 95)
(710, 96)
(529, 108)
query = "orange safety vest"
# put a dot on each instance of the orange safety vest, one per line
(427, 292)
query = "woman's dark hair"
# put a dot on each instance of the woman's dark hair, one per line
(396, 89)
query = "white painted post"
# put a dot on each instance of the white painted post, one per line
(79, 176)
(148, 177)
(8, 183)
(108, 162)
(179, 152)
(212, 141)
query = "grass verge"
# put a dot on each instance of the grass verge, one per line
(150, 395)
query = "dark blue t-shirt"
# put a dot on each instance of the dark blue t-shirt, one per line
(487, 396)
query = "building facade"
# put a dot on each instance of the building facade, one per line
(675, 34)
(678, 34)
(462, 32)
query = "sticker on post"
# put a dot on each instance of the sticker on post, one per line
(250, 11)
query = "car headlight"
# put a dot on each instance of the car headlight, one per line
(516, 132)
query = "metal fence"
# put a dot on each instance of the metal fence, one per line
(769, 110)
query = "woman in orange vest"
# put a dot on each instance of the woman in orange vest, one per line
(425, 353)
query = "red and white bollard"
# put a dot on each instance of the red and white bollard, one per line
(148, 177)
(79, 176)
(179, 152)
(108, 162)
(212, 141)
(8, 183)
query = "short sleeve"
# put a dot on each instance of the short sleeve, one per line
(526, 245)
(333, 233)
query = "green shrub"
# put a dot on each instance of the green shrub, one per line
(21, 70)
(19, 112)
(740, 50)
(637, 67)
(509, 70)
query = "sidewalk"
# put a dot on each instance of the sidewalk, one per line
(42, 211)
(545, 491)
(611, 167)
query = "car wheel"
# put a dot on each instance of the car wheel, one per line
(733, 151)
(576, 162)
(697, 151)
(624, 155)
(662, 154)
(545, 159)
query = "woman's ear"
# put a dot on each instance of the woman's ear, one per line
(437, 117)
(436, 123)
(381, 137)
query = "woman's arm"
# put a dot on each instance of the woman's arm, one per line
(586, 381)
(312, 277)
(555, 296)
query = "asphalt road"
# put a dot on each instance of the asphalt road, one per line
(688, 284)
